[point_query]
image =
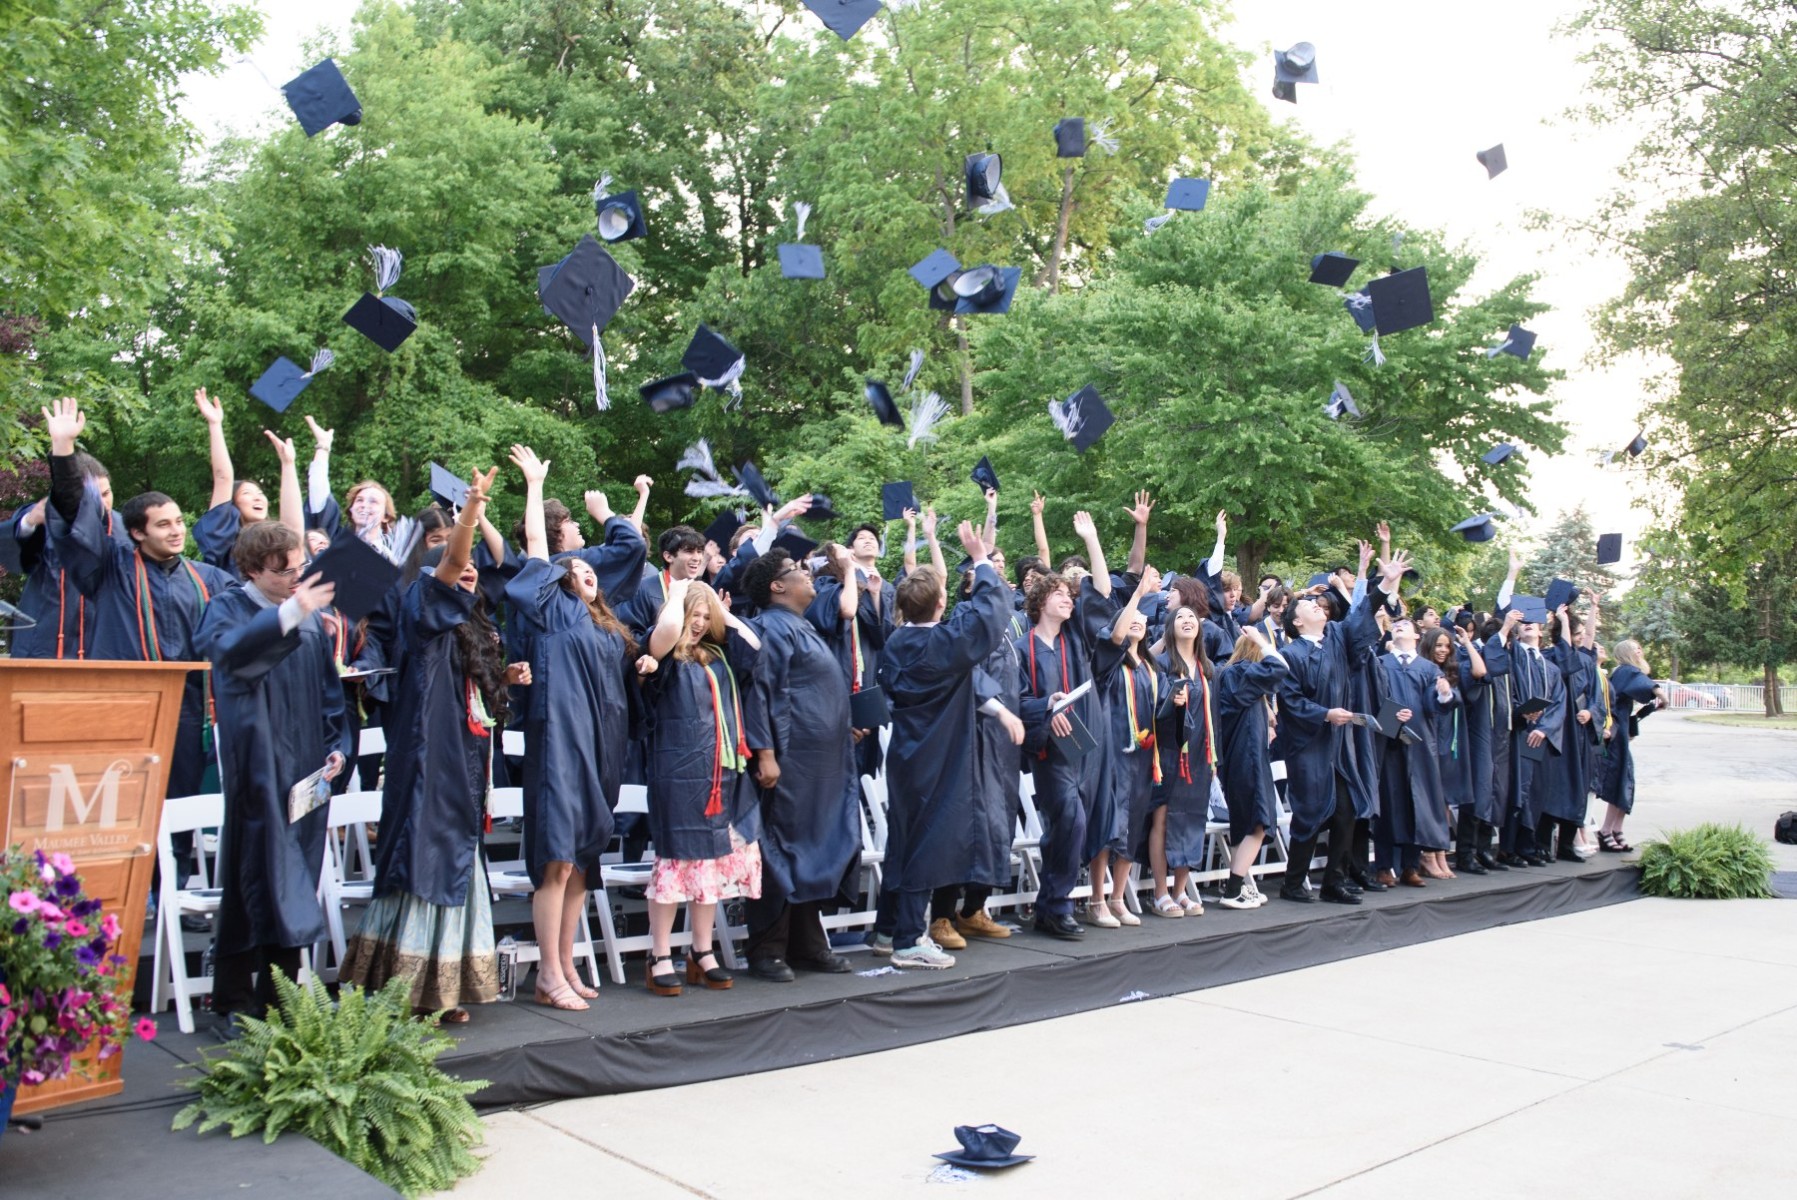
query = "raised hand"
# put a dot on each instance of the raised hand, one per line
(283, 446)
(1143, 506)
(64, 421)
(1260, 639)
(911, 519)
(1037, 503)
(1392, 569)
(322, 438)
(598, 507)
(991, 497)
(970, 541)
(312, 594)
(839, 554)
(642, 485)
(212, 410)
(480, 488)
(534, 469)
(1151, 582)
(794, 508)
(1083, 525)
(1515, 563)
(929, 522)
(1366, 556)
(1382, 531)
(1222, 523)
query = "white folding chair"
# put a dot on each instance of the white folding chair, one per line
(511, 743)
(350, 814)
(1026, 851)
(512, 879)
(180, 814)
(873, 857)
(372, 740)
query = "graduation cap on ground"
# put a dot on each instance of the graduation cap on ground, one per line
(280, 385)
(1187, 195)
(587, 289)
(1401, 300)
(879, 396)
(749, 476)
(986, 289)
(321, 97)
(1341, 401)
(1332, 269)
(844, 18)
(1481, 528)
(983, 173)
(1082, 417)
(620, 215)
(895, 498)
(798, 260)
(821, 509)
(449, 489)
(714, 360)
(723, 527)
(676, 391)
(387, 321)
(1292, 67)
(1609, 548)
(1560, 592)
(363, 575)
(1519, 342)
(984, 475)
(985, 1147)
(1070, 137)
(1532, 608)
(1493, 161)
(795, 543)
(1360, 307)
(1497, 454)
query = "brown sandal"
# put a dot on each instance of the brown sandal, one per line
(582, 990)
(660, 984)
(563, 997)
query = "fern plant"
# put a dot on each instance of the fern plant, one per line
(1710, 862)
(359, 1078)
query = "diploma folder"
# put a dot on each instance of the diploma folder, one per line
(1076, 744)
(868, 709)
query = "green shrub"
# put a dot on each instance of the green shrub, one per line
(1710, 862)
(359, 1078)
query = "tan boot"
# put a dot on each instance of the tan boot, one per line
(942, 932)
(980, 925)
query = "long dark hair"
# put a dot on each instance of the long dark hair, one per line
(483, 657)
(1177, 666)
(430, 518)
(1450, 666)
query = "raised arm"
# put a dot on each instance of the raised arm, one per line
(1040, 531)
(1214, 564)
(292, 510)
(1588, 631)
(850, 598)
(643, 484)
(318, 474)
(910, 551)
(929, 533)
(1150, 581)
(671, 624)
(1138, 545)
(1509, 587)
(534, 470)
(459, 550)
(990, 536)
(1088, 533)
(222, 473)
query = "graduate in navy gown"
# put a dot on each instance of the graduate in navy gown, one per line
(1632, 695)
(577, 726)
(1191, 745)
(1534, 739)
(874, 621)
(1468, 780)
(431, 922)
(50, 597)
(281, 719)
(1569, 789)
(1246, 689)
(1413, 817)
(1134, 689)
(938, 832)
(235, 502)
(804, 761)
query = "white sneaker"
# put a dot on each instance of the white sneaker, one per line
(879, 944)
(926, 954)
(1251, 890)
(1241, 900)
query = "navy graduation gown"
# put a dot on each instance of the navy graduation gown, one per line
(1631, 698)
(684, 755)
(215, 533)
(1453, 751)
(1244, 694)
(938, 831)
(433, 795)
(998, 764)
(280, 716)
(64, 616)
(1316, 753)
(1410, 792)
(1492, 800)
(1533, 675)
(1133, 769)
(1570, 778)
(1189, 737)
(576, 721)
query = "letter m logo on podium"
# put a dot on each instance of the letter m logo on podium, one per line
(72, 804)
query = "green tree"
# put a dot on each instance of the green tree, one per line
(1752, 622)
(1650, 609)
(1568, 551)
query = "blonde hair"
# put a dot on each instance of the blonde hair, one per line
(1628, 650)
(1247, 650)
(699, 593)
(389, 515)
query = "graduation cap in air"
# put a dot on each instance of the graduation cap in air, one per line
(1360, 307)
(363, 575)
(1401, 300)
(1481, 528)
(714, 360)
(844, 18)
(984, 475)
(280, 385)
(1636, 446)
(1292, 67)
(676, 391)
(1609, 548)
(1082, 417)
(723, 527)
(749, 476)
(1070, 137)
(983, 173)
(985, 1147)
(985, 289)
(387, 321)
(1560, 592)
(1341, 402)
(821, 509)
(1331, 268)
(880, 397)
(795, 543)
(895, 498)
(1519, 342)
(799, 260)
(447, 488)
(1493, 161)
(620, 216)
(321, 97)
(1532, 608)
(1497, 454)
(586, 289)
(1187, 195)
(935, 272)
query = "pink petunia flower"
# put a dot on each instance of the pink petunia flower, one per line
(76, 928)
(24, 902)
(33, 1077)
(46, 872)
(49, 912)
(109, 927)
(145, 1028)
(63, 863)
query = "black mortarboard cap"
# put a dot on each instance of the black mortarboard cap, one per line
(1560, 592)
(821, 509)
(544, 275)
(387, 321)
(1331, 268)
(985, 1147)
(982, 173)
(1401, 300)
(880, 397)
(1295, 65)
(587, 289)
(1532, 608)
(795, 543)
(723, 528)
(449, 489)
(1085, 417)
(1360, 307)
(1287, 92)
(676, 391)
(895, 498)
(1070, 137)
(1341, 403)
(708, 355)
(321, 98)
(1481, 528)
(844, 18)
(620, 217)
(1493, 161)
(1609, 548)
(984, 475)
(281, 384)
(801, 260)
(363, 575)
(749, 476)
(986, 289)
(1519, 342)
(1636, 446)
(934, 267)
(1497, 454)
(1188, 195)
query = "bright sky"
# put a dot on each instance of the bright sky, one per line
(1414, 89)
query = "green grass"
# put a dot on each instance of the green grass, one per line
(1709, 862)
(1743, 720)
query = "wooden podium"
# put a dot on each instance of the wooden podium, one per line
(85, 748)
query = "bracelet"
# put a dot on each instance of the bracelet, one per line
(465, 524)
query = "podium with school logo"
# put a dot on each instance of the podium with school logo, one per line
(85, 748)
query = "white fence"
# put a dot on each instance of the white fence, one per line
(1745, 697)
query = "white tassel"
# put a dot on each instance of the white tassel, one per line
(599, 391)
(602, 189)
(1494, 351)
(1373, 354)
(320, 361)
(387, 265)
(1102, 138)
(728, 380)
(1154, 223)
(911, 375)
(1067, 417)
(924, 416)
(697, 457)
(707, 489)
(1000, 202)
(804, 211)
(404, 537)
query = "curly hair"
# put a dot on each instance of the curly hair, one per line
(482, 657)
(1042, 589)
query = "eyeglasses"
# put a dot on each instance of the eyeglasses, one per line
(792, 570)
(288, 573)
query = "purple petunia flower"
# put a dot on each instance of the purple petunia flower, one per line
(52, 940)
(87, 956)
(21, 927)
(68, 885)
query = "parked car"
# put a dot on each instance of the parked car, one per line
(1693, 695)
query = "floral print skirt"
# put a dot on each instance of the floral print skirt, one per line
(737, 875)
